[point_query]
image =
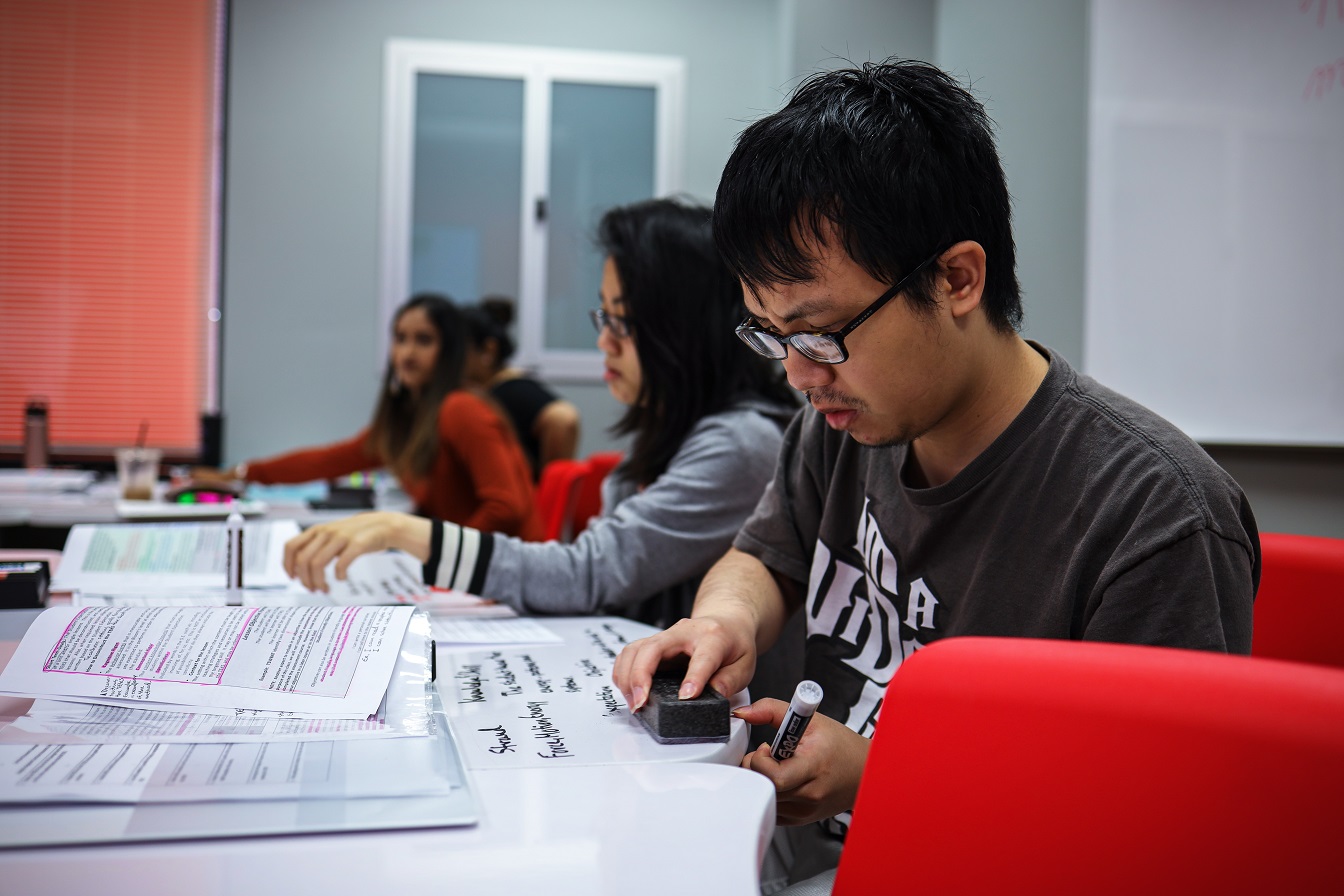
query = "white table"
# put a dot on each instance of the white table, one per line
(98, 504)
(653, 829)
(639, 827)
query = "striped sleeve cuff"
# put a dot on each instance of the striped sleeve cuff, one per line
(458, 557)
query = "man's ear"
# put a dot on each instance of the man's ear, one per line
(963, 267)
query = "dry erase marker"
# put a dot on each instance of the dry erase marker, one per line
(806, 699)
(233, 562)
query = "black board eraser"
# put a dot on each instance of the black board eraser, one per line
(703, 719)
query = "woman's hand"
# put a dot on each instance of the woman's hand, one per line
(308, 553)
(821, 778)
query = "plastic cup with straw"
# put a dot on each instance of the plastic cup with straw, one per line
(138, 468)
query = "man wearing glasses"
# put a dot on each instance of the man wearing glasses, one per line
(949, 477)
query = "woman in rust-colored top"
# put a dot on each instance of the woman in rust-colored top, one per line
(451, 449)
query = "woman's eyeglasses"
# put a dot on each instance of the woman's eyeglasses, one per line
(620, 326)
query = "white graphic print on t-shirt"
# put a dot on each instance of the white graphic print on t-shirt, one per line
(859, 606)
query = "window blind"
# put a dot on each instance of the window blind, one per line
(108, 161)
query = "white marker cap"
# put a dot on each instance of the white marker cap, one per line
(806, 698)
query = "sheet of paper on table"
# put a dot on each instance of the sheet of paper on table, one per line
(140, 558)
(395, 577)
(90, 793)
(384, 578)
(173, 510)
(454, 630)
(404, 712)
(177, 597)
(29, 482)
(242, 782)
(178, 773)
(322, 662)
(554, 705)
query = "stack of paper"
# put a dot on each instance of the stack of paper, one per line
(312, 662)
(394, 577)
(181, 564)
(172, 510)
(154, 558)
(38, 482)
(176, 704)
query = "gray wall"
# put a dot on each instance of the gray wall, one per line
(302, 176)
(824, 35)
(302, 173)
(1027, 62)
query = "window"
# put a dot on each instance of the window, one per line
(498, 163)
(108, 167)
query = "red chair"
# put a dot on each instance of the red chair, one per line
(1299, 609)
(570, 493)
(588, 495)
(1016, 765)
(555, 495)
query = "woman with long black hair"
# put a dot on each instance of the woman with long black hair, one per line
(705, 416)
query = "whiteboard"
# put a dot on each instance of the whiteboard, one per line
(1215, 247)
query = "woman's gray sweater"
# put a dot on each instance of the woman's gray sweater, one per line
(644, 556)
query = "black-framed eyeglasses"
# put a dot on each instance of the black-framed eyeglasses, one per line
(620, 327)
(827, 348)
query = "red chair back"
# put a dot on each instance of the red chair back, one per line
(570, 493)
(1019, 765)
(588, 494)
(1299, 609)
(555, 495)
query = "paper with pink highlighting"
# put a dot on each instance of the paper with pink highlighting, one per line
(317, 662)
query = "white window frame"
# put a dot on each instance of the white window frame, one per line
(537, 68)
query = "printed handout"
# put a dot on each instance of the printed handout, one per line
(405, 712)
(120, 558)
(175, 598)
(122, 773)
(389, 577)
(58, 721)
(320, 662)
(395, 577)
(385, 578)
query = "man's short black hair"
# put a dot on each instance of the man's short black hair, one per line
(896, 159)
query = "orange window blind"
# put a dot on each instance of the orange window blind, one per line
(108, 161)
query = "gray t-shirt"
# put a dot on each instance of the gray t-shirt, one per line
(644, 556)
(1089, 517)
